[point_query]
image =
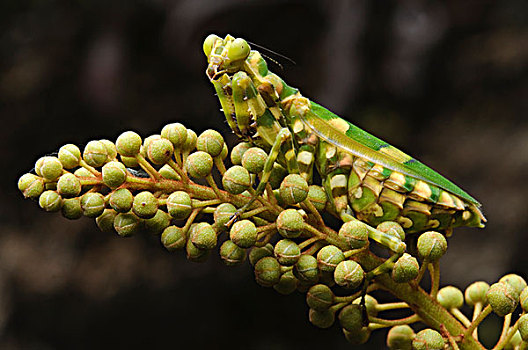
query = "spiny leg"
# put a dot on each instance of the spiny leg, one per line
(282, 142)
(249, 106)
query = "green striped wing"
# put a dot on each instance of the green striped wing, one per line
(358, 142)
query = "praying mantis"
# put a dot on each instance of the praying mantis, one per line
(365, 178)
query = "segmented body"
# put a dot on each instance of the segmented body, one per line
(362, 175)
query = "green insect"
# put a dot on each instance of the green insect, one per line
(364, 177)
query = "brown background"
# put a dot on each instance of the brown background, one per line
(444, 81)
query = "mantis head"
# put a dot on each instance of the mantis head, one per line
(224, 55)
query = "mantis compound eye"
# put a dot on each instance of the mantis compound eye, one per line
(238, 50)
(209, 42)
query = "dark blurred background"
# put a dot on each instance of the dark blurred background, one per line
(443, 80)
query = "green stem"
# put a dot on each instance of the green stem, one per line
(450, 339)
(219, 163)
(422, 270)
(178, 170)
(153, 173)
(434, 269)
(507, 332)
(391, 306)
(427, 308)
(481, 316)
(307, 242)
(390, 323)
(461, 317)
(89, 168)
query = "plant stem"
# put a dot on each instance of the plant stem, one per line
(481, 316)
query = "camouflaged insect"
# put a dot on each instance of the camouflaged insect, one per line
(364, 177)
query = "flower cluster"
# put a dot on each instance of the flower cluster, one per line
(196, 195)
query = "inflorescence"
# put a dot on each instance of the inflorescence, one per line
(177, 185)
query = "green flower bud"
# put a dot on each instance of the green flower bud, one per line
(267, 272)
(306, 269)
(173, 238)
(145, 205)
(258, 253)
(210, 141)
(69, 185)
(129, 162)
(287, 252)
(523, 299)
(83, 172)
(359, 337)
(293, 189)
(243, 233)
(127, 224)
(203, 236)
(50, 168)
(128, 144)
(351, 318)
(290, 223)
(111, 149)
(38, 165)
(328, 258)
(517, 282)
(95, 153)
(503, 298)
(69, 156)
(236, 180)
(320, 297)
(190, 142)
(223, 214)
(158, 223)
(232, 254)
(50, 201)
(523, 326)
(321, 319)
(450, 297)
(349, 274)
(238, 151)
(175, 133)
(278, 173)
(428, 339)
(179, 205)
(431, 246)
(146, 144)
(476, 293)
(225, 152)
(194, 253)
(371, 304)
(405, 269)
(287, 283)
(199, 164)
(160, 151)
(92, 204)
(254, 159)
(31, 185)
(400, 338)
(168, 172)
(355, 233)
(105, 221)
(114, 174)
(121, 200)
(71, 208)
(317, 195)
(392, 228)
